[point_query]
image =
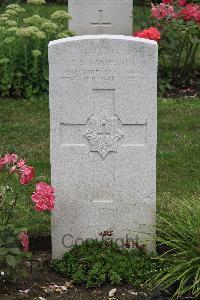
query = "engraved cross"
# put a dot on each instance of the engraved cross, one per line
(100, 23)
(103, 129)
(102, 133)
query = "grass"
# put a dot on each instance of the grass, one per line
(178, 145)
(25, 131)
(43, 10)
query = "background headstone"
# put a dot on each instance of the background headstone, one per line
(103, 102)
(101, 16)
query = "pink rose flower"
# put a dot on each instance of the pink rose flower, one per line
(8, 159)
(182, 2)
(26, 174)
(16, 168)
(191, 12)
(2, 163)
(13, 169)
(43, 197)
(21, 163)
(23, 236)
(168, 2)
(162, 11)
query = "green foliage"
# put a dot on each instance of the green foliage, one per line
(10, 250)
(12, 238)
(179, 229)
(178, 50)
(23, 49)
(10, 235)
(11, 254)
(7, 2)
(96, 262)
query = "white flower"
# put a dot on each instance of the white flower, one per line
(12, 29)
(4, 61)
(11, 23)
(36, 53)
(49, 27)
(36, 2)
(11, 12)
(34, 20)
(2, 19)
(13, 6)
(61, 15)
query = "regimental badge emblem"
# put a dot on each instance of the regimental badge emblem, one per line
(103, 133)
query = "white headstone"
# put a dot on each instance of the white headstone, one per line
(103, 102)
(101, 16)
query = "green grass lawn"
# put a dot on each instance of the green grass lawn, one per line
(25, 131)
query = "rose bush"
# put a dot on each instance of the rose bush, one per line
(14, 242)
(179, 25)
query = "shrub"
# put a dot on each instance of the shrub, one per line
(11, 254)
(179, 230)
(23, 49)
(179, 25)
(96, 262)
(12, 238)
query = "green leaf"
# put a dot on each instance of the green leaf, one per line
(2, 190)
(3, 251)
(27, 255)
(11, 260)
(2, 242)
(10, 240)
(16, 251)
(16, 175)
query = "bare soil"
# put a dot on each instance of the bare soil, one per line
(43, 283)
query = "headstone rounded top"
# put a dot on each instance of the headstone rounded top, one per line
(100, 37)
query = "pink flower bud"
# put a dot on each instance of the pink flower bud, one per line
(23, 236)
(182, 3)
(168, 2)
(26, 174)
(21, 163)
(162, 11)
(10, 158)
